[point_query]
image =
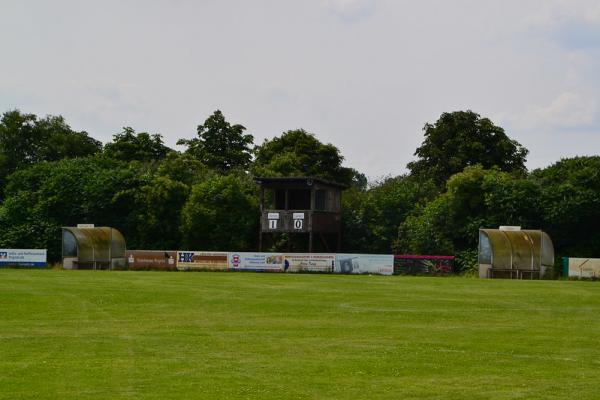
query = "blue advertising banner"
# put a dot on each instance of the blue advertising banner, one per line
(23, 257)
(260, 262)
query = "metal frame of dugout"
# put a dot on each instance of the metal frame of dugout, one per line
(512, 253)
(93, 248)
(301, 205)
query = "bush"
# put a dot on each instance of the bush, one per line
(466, 263)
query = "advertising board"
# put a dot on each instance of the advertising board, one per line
(203, 260)
(23, 257)
(315, 262)
(263, 262)
(431, 265)
(584, 267)
(382, 264)
(151, 259)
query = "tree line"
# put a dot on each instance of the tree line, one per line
(467, 174)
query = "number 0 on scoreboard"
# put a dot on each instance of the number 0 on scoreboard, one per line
(298, 223)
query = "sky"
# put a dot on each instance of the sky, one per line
(364, 75)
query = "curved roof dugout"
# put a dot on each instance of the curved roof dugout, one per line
(515, 249)
(93, 246)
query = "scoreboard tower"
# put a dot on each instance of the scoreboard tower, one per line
(301, 206)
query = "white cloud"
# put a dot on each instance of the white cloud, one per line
(557, 13)
(572, 103)
(567, 110)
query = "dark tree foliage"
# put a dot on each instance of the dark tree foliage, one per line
(26, 139)
(475, 198)
(131, 146)
(221, 213)
(571, 203)
(42, 198)
(371, 218)
(220, 145)
(299, 153)
(563, 200)
(153, 213)
(461, 139)
(183, 168)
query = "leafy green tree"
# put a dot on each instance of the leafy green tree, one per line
(153, 213)
(42, 198)
(20, 142)
(299, 153)
(428, 230)
(183, 168)
(356, 236)
(371, 218)
(490, 198)
(220, 145)
(26, 140)
(221, 213)
(131, 146)
(570, 201)
(461, 139)
(60, 141)
(475, 198)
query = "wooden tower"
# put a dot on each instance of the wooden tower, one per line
(302, 205)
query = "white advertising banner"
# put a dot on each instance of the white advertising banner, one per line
(382, 264)
(315, 262)
(584, 267)
(23, 257)
(262, 262)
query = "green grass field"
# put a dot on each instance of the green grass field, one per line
(160, 335)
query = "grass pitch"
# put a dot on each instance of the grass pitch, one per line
(159, 335)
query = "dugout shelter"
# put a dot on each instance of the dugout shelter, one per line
(93, 248)
(514, 253)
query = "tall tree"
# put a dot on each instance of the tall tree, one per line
(221, 213)
(220, 145)
(60, 141)
(45, 196)
(183, 168)
(475, 198)
(299, 153)
(26, 140)
(571, 204)
(153, 213)
(371, 218)
(131, 146)
(461, 139)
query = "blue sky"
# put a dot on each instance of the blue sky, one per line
(365, 75)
